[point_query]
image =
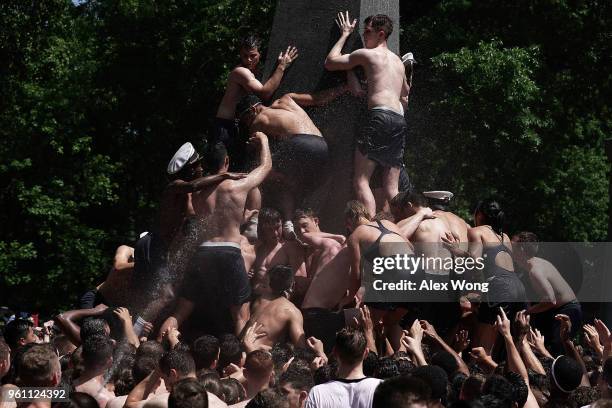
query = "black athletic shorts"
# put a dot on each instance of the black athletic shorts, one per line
(227, 131)
(383, 137)
(323, 324)
(302, 158)
(216, 279)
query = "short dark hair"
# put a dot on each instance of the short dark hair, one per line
(583, 395)
(93, 327)
(16, 330)
(499, 387)
(211, 382)
(205, 351)
(380, 22)
(566, 374)
(144, 366)
(215, 157)
(233, 392)
(36, 365)
(446, 361)
(436, 378)
(350, 345)
(297, 377)
(399, 392)
(520, 390)
(268, 398)
(268, 216)
(245, 104)
(281, 278)
(326, 373)
(230, 351)
(181, 361)
(528, 242)
(386, 368)
(472, 386)
(250, 42)
(259, 363)
(150, 348)
(188, 393)
(97, 350)
(281, 354)
(304, 213)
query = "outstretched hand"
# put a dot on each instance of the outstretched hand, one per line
(252, 334)
(566, 326)
(344, 23)
(284, 60)
(502, 323)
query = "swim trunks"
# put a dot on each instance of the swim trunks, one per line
(323, 324)
(227, 131)
(302, 158)
(383, 137)
(216, 280)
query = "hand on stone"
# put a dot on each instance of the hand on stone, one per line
(284, 60)
(344, 23)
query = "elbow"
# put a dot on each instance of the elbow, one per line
(329, 64)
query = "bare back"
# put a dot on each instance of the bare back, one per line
(457, 225)
(385, 72)
(284, 118)
(222, 208)
(277, 316)
(541, 269)
(428, 241)
(233, 92)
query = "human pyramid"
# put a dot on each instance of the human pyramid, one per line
(228, 303)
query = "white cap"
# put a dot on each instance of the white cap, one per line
(408, 57)
(186, 154)
(439, 195)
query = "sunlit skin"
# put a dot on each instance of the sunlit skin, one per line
(249, 57)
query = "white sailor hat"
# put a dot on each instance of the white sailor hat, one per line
(439, 195)
(408, 58)
(186, 154)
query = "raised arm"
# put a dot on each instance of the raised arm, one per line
(248, 82)
(259, 174)
(181, 312)
(355, 275)
(335, 60)
(409, 225)
(184, 187)
(67, 321)
(124, 258)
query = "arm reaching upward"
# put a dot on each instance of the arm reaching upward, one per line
(320, 98)
(335, 60)
(259, 174)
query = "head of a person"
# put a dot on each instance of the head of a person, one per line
(259, 369)
(97, 353)
(377, 29)
(355, 214)
(63, 345)
(397, 206)
(605, 379)
(5, 358)
(176, 365)
(249, 51)
(82, 400)
(489, 212)
(18, 333)
(386, 367)
(281, 280)
(230, 351)
(520, 390)
(188, 393)
(94, 327)
(233, 391)
(247, 109)
(295, 384)
(39, 366)
(217, 160)
(269, 225)
(412, 202)
(306, 220)
(211, 381)
(437, 380)
(350, 347)
(268, 398)
(472, 387)
(205, 351)
(525, 245)
(565, 375)
(583, 396)
(446, 361)
(402, 392)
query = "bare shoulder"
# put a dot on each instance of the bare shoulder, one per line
(475, 233)
(541, 265)
(241, 72)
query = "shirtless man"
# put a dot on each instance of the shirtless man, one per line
(269, 233)
(382, 140)
(97, 359)
(555, 294)
(275, 315)
(426, 235)
(300, 153)
(241, 82)
(217, 282)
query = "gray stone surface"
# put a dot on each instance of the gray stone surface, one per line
(310, 26)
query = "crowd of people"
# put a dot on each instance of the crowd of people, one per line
(238, 297)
